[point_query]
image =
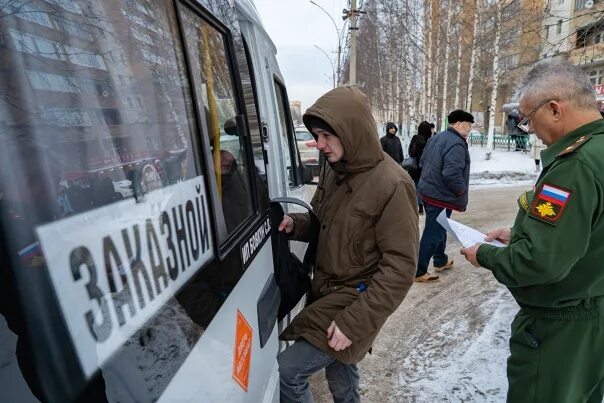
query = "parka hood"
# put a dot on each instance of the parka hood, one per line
(389, 126)
(347, 111)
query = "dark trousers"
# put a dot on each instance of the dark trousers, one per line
(299, 361)
(433, 242)
(556, 355)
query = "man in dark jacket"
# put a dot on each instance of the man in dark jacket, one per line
(443, 185)
(416, 150)
(392, 144)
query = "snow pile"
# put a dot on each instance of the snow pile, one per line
(504, 168)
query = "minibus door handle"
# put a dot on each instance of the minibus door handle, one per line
(264, 132)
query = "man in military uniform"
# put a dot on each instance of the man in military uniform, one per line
(553, 262)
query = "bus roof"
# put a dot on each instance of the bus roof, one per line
(248, 9)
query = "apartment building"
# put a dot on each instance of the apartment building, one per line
(588, 42)
(557, 28)
(574, 30)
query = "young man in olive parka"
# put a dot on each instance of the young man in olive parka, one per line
(367, 250)
(553, 262)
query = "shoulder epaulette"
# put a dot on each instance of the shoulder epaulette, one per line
(582, 140)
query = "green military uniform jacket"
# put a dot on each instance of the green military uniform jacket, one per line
(556, 253)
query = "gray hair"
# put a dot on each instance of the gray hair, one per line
(557, 78)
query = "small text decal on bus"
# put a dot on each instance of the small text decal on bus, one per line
(251, 246)
(114, 267)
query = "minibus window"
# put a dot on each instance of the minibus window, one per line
(213, 79)
(110, 130)
(103, 206)
(288, 143)
(250, 93)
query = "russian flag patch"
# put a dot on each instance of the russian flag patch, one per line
(550, 202)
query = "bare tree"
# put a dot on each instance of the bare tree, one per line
(474, 55)
(495, 80)
(460, 26)
(446, 69)
(406, 47)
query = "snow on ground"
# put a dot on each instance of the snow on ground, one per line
(476, 347)
(504, 168)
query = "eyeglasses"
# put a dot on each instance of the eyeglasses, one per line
(524, 123)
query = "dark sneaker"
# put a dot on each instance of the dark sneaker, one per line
(445, 267)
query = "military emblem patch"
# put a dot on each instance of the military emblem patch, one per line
(549, 204)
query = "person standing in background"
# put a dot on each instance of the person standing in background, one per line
(416, 149)
(536, 147)
(392, 144)
(514, 132)
(443, 185)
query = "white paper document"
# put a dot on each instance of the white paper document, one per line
(465, 235)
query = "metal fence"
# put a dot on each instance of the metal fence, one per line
(509, 143)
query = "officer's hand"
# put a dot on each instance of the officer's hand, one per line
(470, 254)
(287, 224)
(503, 235)
(337, 340)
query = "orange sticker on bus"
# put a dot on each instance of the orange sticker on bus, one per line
(243, 351)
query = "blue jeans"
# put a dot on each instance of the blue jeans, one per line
(301, 360)
(433, 242)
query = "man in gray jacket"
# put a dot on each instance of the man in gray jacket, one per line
(443, 185)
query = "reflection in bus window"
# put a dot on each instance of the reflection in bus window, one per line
(95, 108)
(213, 78)
(107, 142)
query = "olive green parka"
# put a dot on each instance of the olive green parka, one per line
(369, 236)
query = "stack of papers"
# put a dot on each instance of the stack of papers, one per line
(465, 235)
